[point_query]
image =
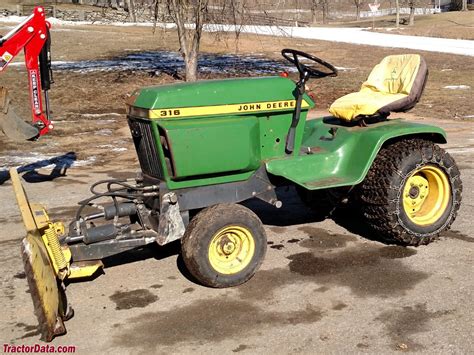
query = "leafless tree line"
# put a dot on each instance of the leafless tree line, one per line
(190, 16)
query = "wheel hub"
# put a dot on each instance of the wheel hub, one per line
(414, 192)
(426, 195)
(231, 250)
(226, 245)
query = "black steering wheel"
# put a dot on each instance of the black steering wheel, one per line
(308, 71)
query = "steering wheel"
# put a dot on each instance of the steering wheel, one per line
(308, 71)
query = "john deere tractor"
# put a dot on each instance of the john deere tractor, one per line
(205, 147)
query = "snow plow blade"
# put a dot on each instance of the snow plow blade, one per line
(43, 286)
(46, 265)
(11, 124)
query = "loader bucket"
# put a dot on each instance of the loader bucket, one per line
(46, 288)
(11, 124)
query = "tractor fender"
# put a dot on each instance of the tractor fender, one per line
(335, 155)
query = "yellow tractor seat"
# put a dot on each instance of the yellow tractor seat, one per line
(394, 85)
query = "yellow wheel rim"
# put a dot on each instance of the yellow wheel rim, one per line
(426, 195)
(231, 250)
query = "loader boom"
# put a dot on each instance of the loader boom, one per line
(32, 36)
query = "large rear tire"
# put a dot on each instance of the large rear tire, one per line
(412, 193)
(224, 245)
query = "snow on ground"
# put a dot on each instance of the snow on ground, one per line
(346, 35)
(172, 62)
(34, 160)
(457, 87)
(364, 37)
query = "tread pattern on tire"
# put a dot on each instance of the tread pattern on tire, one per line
(379, 194)
(191, 248)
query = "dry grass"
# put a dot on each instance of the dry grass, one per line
(457, 25)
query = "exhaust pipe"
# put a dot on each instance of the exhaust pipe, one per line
(11, 124)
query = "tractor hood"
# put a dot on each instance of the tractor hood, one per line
(216, 97)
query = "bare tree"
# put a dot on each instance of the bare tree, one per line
(397, 6)
(131, 10)
(193, 14)
(459, 5)
(323, 5)
(314, 11)
(411, 5)
(358, 4)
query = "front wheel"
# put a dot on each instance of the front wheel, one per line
(224, 245)
(411, 193)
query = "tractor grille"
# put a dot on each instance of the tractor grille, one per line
(146, 148)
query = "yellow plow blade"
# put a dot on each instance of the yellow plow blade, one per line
(44, 267)
(44, 287)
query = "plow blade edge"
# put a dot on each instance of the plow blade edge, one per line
(44, 288)
(41, 265)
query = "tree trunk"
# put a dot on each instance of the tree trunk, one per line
(325, 12)
(191, 66)
(412, 15)
(397, 6)
(358, 11)
(464, 5)
(314, 9)
(131, 10)
(189, 44)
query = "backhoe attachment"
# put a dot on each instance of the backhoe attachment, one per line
(33, 37)
(11, 124)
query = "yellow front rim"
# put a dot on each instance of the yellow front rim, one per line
(426, 195)
(231, 250)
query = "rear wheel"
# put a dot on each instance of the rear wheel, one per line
(412, 193)
(224, 245)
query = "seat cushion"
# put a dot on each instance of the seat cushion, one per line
(394, 85)
(362, 103)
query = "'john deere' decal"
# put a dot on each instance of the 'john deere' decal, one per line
(226, 109)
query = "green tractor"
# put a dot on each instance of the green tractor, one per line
(205, 147)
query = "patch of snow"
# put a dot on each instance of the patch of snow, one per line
(121, 149)
(97, 115)
(457, 87)
(171, 63)
(345, 69)
(53, 63)
(446, 70)
(103, 132)
(35, 160)
(460, 150)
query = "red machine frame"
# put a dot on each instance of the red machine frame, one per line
(32, 35)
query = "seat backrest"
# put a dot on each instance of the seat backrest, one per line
(397, 74)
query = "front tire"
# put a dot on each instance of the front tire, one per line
(224, 245)
(412, 192)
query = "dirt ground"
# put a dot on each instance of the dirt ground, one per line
(321, 288)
